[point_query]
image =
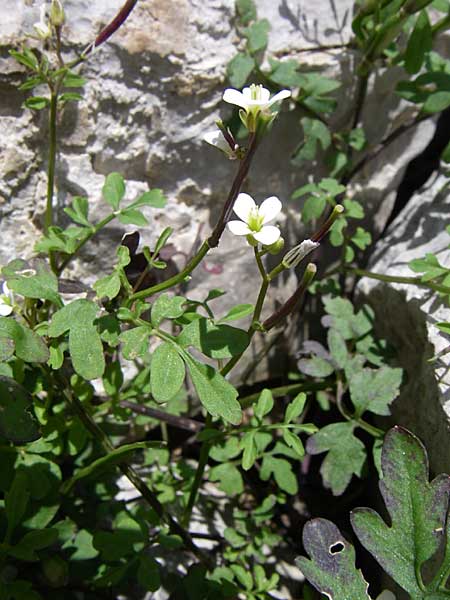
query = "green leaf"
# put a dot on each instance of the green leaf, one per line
(70, 97)
(7, 347)
(132, 216)
(72, 80)
(29, 346)
(282, 472)
(114, 457)
(437, 102)
(313, 208)
(338, 348)
(229, 478)
(420, 42)
(346, 455)
(361, 238)
(216, 394)
(286, 73)
(37, 102)
(357, 139)
(153, 198)
(246, 11)
(16, 502)
(167, 307)
(295, 408)
(353, 209)
(108, 287)
(417, 512)
(445, 156)
(79, 211)
(72, 315)
(162, 240)
(315, 133)
(264, 404)
(167, 372)
(17, 421)
(257, 35)
(250, 450)
(148, 573)
(237, 312)
(239, 68)
(315, 366)
(33, 541)
(343, 319)
(331, 567)
(135, 342)
(36, 281)
(294, 442)
(86, 351)
(85, 345)
(215, 341)
(374, 390)
(114, 190)
(113, 378)
(27, 58)
(429, 266)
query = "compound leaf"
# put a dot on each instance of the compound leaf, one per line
(346, 454)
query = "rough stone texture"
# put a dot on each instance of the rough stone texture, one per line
(152, 91)
(406, 316)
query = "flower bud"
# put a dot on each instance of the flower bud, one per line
(57, 16)
(276, 247)
(292, 258)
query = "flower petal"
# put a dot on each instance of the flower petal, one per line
(268, 235)
(243, 206)
(216, 138)
(5, 309)
(238, 227)
(235, 97)
(280, 96)
(269, 209)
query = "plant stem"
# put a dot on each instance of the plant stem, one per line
(256, 313)
(285, 390)
(214, 238)
(398, 279)
(176, 279)
(202, 462)
(101, 437)
(48, 220)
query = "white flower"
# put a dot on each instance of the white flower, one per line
(6, 301)
(254, 99)
(253, 219)
(217, 139)
(42, 27)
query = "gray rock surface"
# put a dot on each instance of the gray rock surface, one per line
(152, 91)
(407, 316)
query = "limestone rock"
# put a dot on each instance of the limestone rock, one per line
(406, 315)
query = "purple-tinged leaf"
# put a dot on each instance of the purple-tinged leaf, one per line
(331, 569)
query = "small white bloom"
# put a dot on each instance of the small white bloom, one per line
(253, 219)
(297, 254)
(255, 98)
(57, 16)
(42, 27)
(217, 139)
(6, 301)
